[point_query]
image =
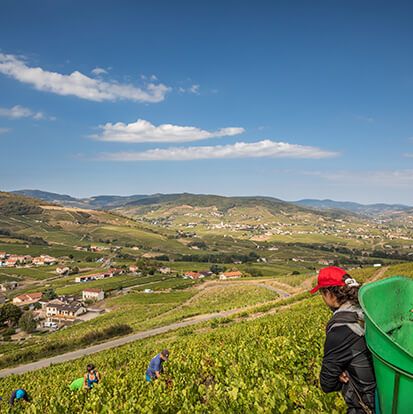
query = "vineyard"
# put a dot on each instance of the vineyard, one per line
(266, 365)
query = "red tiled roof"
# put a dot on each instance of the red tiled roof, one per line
(30, 296)
(232, 274)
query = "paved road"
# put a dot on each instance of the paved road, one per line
(112, 344)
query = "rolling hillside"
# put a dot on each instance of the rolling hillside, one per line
(365, 209)
(27, 220)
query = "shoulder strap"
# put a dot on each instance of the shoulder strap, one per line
(349, 319)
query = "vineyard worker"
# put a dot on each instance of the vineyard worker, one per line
(155, 367)
(347, 364)
(91, 377)
(19, 394)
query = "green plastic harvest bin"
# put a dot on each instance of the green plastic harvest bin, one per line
(388, 308)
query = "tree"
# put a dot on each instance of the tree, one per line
(10, 314)
(217, 269)
(49, 294)
(27, 322)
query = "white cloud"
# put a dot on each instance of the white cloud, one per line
(98, 71)
(194, 89)
(261, 149)
(78, 84)
(144, 131)
(4, 130)
(191, 89)
(18, 111)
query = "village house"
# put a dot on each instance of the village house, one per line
(48, 260)
(164, 270)
(3, 255)
(98, 276)
(193, 275)
(325, 262)
(64, 311)
(97, 249)
(87, 278)
(27, 299)
(38, 261)
(133, 268)
(6, 286)
(62, 270)
(230, 275)
(11, 261)
(44, 259)
(115, 271)
(93, 294)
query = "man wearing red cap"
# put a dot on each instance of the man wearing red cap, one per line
(347, 364)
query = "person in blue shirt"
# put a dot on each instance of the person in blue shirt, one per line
(91, 377)
(19, 394)
(155, 367)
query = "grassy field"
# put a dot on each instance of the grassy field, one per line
(55, 251)
(403, 269)
(296, 280)
(37, 273)
(7, 278)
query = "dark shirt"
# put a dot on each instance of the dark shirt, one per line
(18, 394)
(344, 350)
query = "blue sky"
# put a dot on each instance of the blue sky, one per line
(290, 99)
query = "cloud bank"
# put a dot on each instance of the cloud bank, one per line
(18, 111)
(77, 84)
(260, 149)
(144, 131)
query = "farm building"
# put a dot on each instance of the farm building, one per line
(93, 294)
(230, 275)
(193, 275)
(62, 270)
(164, 270)
(64, 311)
(27, 299)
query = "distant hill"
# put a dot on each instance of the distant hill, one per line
(140, 203)
(103, 202)
(367, 209)
(206, 200)
(18, 205)
(63, 199)
(108, 202)
(209, 211)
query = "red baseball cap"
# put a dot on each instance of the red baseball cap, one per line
(329, 276)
